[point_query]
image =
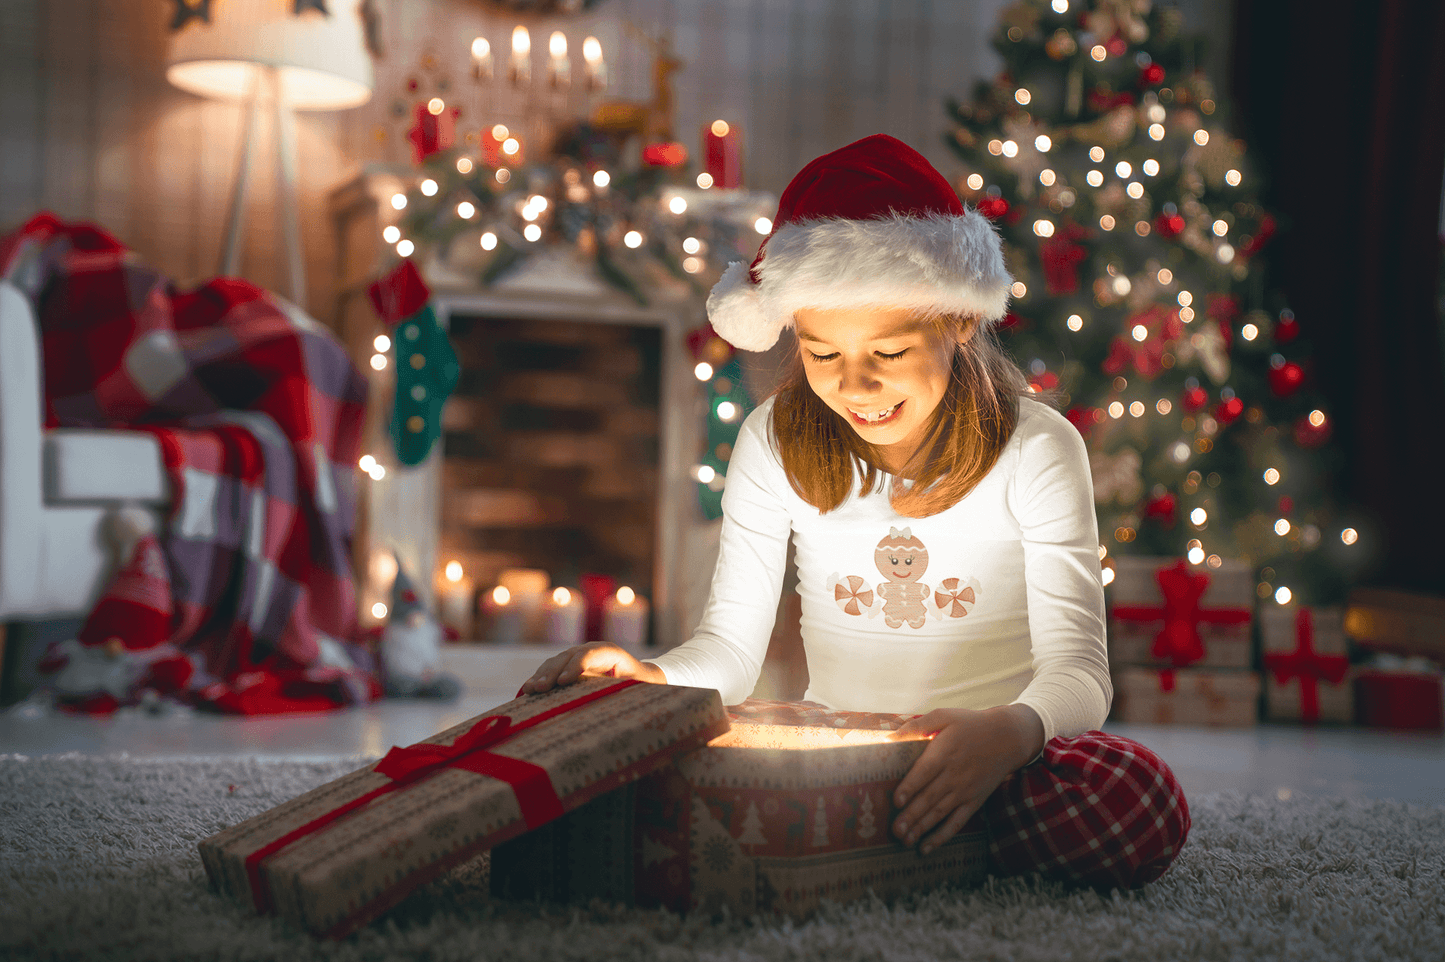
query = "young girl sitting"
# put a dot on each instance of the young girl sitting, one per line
(947, 548)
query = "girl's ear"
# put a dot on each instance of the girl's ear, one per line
(964, 330)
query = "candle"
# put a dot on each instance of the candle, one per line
(596, 68)
(503, 617)
(454, 599)
(481, 59)
(720, 154)
(521, 56)
(624, 619)
(566, 617)
(559, 71)
(528, 588)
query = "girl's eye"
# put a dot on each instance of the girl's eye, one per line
(893, 357)
(822, 357)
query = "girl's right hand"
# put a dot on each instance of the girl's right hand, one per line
(596, 659)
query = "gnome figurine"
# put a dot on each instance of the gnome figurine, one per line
(411, 653)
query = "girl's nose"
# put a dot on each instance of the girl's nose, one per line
(857, 382)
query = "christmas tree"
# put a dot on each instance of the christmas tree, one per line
(1132, 227)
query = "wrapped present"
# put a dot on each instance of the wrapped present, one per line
(1168, 612)
(1307, 670)
(1396, 692)
(340, 855)
(772, 818)
(1398, 622)
(1187, 696)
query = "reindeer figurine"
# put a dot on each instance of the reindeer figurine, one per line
(651, 121)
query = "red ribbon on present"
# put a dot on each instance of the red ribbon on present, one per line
(1308, 666)
(405, 766)
(1179, 640)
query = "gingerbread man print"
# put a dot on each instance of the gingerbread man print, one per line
(902, 597)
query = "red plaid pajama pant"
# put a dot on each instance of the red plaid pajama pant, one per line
(1097, 809)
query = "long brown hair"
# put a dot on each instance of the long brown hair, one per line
(972, 423)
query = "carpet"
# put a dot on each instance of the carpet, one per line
(98, 860)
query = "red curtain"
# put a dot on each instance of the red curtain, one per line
(1343, 101)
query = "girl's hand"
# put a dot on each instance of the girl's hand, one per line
(594, 660)
(971, 753)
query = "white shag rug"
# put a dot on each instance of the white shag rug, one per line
(98, 861)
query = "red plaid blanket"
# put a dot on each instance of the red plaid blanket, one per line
(258, 411)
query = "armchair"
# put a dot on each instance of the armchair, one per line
(58, 486)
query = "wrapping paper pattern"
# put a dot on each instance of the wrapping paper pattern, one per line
(349, 872)
(1187, 696)
(1225, 642)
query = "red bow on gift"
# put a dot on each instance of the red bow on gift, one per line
(1179, 641)
(1308, 666)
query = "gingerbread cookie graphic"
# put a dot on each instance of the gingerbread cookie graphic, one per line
(902, 597)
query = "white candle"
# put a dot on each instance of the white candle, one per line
(566, 618)
(504, 616)
(624, 619)
(481, 59)
(560, 70)
(528, 588)
(454, 599)
(596, 68)
(521, 56)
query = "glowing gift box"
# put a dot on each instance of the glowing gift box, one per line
(770, 818)
(342, 854)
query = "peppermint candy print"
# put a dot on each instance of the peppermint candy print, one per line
(954, 598)
(853, 595)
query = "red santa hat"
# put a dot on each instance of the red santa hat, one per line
(871, 223)
(135, 611)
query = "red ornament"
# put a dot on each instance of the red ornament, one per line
(399, 294)
(1061, 257)
(1286, 504)
(1117, 46)
(1151, 75)
(664, 154)
(1267, 228)
(1103, 101)
(1012, 320)
(1194, 399)
(1307, 434)
(1082, 419)
(993, 207)
(432, 133)
(1286, 379)
(1286, 330)
(1169, 226)
(1164, 509)
(1230, 410)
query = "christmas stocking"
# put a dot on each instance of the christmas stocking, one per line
(426, 365)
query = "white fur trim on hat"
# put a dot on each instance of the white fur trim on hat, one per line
(937, 264)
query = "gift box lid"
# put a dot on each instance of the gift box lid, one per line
(1283, 627)
(1136, 581)
(338, 856)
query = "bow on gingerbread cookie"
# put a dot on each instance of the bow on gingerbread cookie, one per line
(902, 597)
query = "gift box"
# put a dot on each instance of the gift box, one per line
(340, 855)
(771, 817)
(1398, 622)
(1402, 693)
(1167, 612)
(1307, 672)
(1187, 696)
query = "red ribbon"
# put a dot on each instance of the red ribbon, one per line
(405, 766)
(1308, 666)
(1179, 641)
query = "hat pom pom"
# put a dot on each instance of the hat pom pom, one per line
(737, 314)
(128, 524)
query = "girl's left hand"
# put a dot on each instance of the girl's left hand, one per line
(970, 754)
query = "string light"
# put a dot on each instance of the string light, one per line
(1046, 177)
(601, 179)
(405, 248)
(561, 597)
(1180, 452)
(1185, 298)
(1195, 555)
(763, 225)
(391, 234)
(429, 187)
(1220, 228)
(995, 146)
(691, 245)
(1023, 96)
(1042, 143)
(1271, 476)
(1019, 289)
(1164, 406)
(1135, 189)
(1141, 228)
(377, 472)
(704, 180)
(632, 239)
(537, 201)
(466, 211)
(1107, 222)
(1317, 417)
(1098, 53)
(500, 132)
(366, 463)
(1060, 6)
(1075, 322)
(691, 264)
(1249, 332)
(378, 362)
(1122, 286)
(1156, 131)
(1094, 178)
(382, 343)
(1107, 576)
(1201, 137)
(677, 205)
(1140, 332)
(1225, 254)
(454, 571)
(727, 410)
(435, 106)
(1010, 149)
(501, 595)
(1282, 595)
(503, 175)
(1281, 527)
(532, 232)
(626, 596)
(704, 473)
(1165, 275)
(511, 145)
(378, 610)
(975, 182)
(1150, 167)
(1349, 536)
(720, 128)
(1199, 517)
(489, 241)
(1186, 314)
(1096, 154)
(703, 371)
(1137, 409)
(1232, 178)
(1044, 228)
(1116, 410)
(398, 201)
(1123, 169)
(464, 165)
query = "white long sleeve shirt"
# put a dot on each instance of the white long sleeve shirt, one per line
(996, 601)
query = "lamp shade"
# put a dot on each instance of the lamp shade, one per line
(321, 58)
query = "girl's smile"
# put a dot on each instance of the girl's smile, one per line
(880, 369)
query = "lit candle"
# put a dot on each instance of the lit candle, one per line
(521, 56)
(454, 599)
(528, 588)
(559, 71)
(624, 619)
(481, 59)
(720, 153)
(504, 617)
(566, 617)
(596, 68)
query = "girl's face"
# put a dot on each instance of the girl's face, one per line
(880, 369)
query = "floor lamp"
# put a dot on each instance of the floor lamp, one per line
(277, 61)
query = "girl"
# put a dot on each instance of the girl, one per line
(947, 548)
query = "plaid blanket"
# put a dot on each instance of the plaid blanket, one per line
(258, 411)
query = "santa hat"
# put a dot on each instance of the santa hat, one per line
(404, 599)
(868, 224)
(135, 612)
